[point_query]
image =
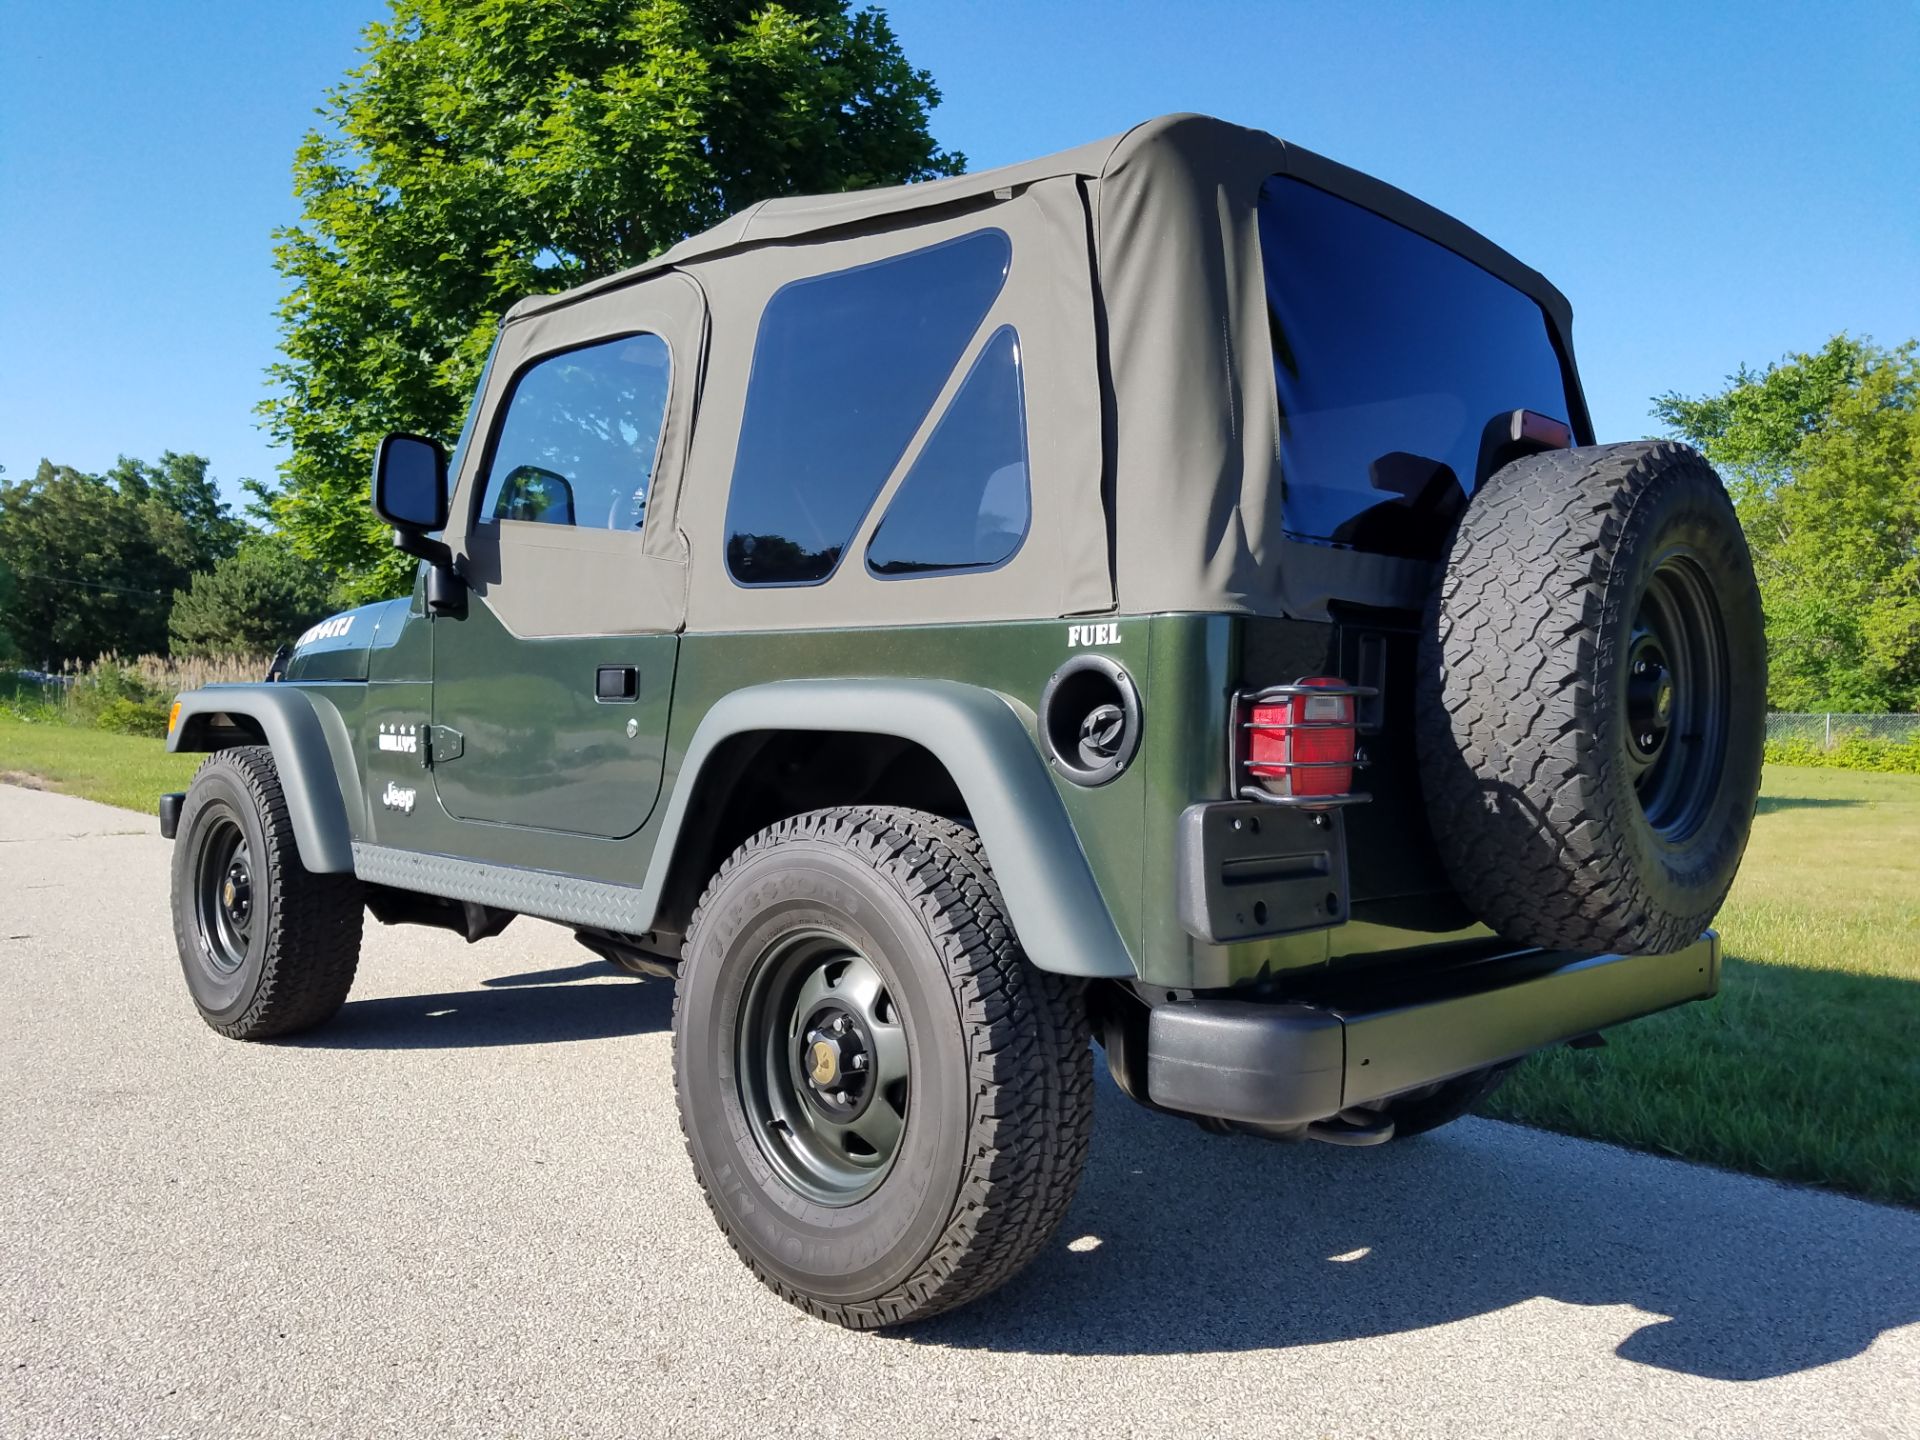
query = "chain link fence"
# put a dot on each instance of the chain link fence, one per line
(1829, 730)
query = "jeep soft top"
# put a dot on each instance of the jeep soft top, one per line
(1167, 591)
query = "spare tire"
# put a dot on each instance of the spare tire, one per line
(1592, 699)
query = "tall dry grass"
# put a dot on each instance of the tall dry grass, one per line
(128, 695)
(170, 675)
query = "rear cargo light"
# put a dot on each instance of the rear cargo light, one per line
(1296, 744)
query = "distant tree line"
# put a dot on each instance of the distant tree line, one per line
(143, 559)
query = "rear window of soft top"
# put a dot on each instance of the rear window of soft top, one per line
(1391, 353)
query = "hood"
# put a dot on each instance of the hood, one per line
(337, 648)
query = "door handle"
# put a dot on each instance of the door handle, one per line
(614, 684)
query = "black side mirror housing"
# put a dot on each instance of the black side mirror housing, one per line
(410, 494)
(410, 483)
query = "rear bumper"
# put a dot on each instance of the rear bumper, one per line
(1297, 1063)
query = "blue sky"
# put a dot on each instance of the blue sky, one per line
(1709, 184)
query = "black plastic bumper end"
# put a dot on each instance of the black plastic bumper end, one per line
(170, 804)
(1299, 1063)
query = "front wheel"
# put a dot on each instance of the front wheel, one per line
(887, 1106)
(268, 947)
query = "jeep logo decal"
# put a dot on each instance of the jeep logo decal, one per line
(398, 797)
(1078, 635)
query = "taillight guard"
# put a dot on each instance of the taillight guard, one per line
(1305, 759)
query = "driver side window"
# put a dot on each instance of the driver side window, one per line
(581, 436)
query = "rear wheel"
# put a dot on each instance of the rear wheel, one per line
(887, 1106)
(267, 946)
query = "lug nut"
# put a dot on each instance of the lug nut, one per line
(839, 1097)
(839, 1024)
(1639, 667)
(859, 1062)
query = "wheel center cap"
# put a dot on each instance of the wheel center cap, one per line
(228, 894)
(1663, 705)
(823, 1062)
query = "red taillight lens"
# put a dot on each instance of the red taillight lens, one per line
(1302, 746)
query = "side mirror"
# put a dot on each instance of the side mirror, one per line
(410, 483)
(410, 494)
(530, 493)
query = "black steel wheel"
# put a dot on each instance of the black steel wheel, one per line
(1675, 697)
(824, 1067)
(267, 947)
(886, 1105)
(1591, 699)
(223, 891)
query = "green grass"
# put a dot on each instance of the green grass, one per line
(126, 770)
(1807, 1065)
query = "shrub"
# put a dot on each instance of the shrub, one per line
(1850, 752)
(129, 697)
(133, 717)
(108, 693)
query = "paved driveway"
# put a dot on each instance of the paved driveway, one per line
(463, 1209)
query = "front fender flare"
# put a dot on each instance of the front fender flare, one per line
(294, 730)
(987, 746)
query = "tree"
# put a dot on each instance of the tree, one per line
(252, 602)
(180, 486)
(489, 149)
(1822, 456)
(91, 567)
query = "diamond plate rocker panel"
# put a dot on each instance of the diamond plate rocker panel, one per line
(541, 893)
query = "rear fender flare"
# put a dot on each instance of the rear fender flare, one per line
(293, 727)
(986, 742)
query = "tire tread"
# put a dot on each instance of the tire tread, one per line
(1031, 1102)
(315, 922)
(1517, 750)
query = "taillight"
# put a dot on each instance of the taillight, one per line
(1296, 745)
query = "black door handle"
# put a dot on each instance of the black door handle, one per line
(614, 683)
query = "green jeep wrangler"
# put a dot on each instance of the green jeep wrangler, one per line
(1166, 593)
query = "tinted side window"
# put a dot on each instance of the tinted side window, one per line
(1391, 354)
(845, 368)
(581, 433)
(964, 505)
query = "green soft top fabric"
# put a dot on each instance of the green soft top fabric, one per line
(1155, 479)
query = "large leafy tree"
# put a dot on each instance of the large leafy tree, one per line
(94, 559)
(1822, 455)
(489, 149)
(180, 486)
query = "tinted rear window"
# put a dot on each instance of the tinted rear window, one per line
(845, 368)
(963, 505)
(1391, 355)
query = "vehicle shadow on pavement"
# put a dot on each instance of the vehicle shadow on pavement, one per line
(1182, 1242)
(537, 1008)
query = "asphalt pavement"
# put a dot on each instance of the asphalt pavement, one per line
(463, 1209)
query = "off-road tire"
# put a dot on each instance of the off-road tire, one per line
(1001, 1104)
(1435, 1105)
(1525, 752)
(303, 943)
